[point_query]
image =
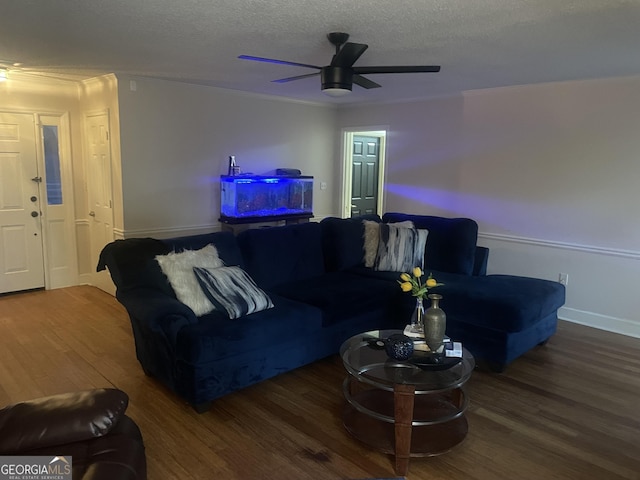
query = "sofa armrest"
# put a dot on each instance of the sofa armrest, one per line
(157, 311)
(480, 261)
(60, 419)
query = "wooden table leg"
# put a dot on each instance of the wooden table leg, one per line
(403, 399)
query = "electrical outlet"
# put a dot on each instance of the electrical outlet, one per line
(323, 185)
(563, 278)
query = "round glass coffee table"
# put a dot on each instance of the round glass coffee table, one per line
(405, 408)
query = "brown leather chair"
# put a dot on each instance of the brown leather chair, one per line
(89, 426)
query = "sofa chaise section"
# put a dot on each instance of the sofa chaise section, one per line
(497, 317)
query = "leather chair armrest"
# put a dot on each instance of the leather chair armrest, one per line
(60, 419)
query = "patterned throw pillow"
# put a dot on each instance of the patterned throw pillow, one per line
(231, 289)
(178, 267)
(372, 239)
(400, 249)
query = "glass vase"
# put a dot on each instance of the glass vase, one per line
(417, 318)
(435, 324)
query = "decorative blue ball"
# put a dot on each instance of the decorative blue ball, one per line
(399, 346)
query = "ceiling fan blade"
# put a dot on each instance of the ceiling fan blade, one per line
(364, 82)
(348, 54)
(279, 62)
(298, 77)
(398, 69)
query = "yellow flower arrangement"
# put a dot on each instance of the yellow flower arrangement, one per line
(412, 283)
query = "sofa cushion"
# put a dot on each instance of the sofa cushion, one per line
(400, 249)
(499, 302)
(217, 336)
(343, 241)
(278, 255)
(451, 243)
(341, 295)
(178, 267)
(232, 290)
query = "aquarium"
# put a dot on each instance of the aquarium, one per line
(246, 198)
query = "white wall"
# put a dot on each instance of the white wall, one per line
(550, 173)
(176, 139)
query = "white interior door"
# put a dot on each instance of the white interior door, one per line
(100, 191)
(21, 247)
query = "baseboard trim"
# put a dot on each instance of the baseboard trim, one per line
(614, 252)
(602, 322)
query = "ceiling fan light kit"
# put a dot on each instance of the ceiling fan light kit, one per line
(336, 81)
(338, 77)
(336, 92)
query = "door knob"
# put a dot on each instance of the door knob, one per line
(92, 213)
(34, 214)
(34, 199)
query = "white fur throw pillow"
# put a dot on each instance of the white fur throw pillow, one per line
(372, 238)
(178, 267)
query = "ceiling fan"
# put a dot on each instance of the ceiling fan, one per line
(339, 76)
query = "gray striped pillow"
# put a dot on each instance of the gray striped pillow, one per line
(400, 249)
(232, 290)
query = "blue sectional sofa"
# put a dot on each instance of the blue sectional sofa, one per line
(321, 294)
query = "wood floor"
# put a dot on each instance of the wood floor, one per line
(568, 410)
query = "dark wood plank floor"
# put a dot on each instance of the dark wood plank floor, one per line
(568, 410)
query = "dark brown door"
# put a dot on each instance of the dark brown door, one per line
(364, 175)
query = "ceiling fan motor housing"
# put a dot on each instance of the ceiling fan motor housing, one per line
(336, 77)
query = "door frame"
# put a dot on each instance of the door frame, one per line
(379, 132)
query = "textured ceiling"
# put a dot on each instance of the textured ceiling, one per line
(479, 44)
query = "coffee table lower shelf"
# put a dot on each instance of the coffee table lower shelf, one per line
(426, 440)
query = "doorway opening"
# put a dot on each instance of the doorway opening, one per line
(363, 171)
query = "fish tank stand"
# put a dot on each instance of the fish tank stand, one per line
(236, 226)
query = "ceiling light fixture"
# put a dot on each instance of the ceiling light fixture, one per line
(336, 81)
(336, 92)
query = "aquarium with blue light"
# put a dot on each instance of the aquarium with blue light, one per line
(256, 198)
